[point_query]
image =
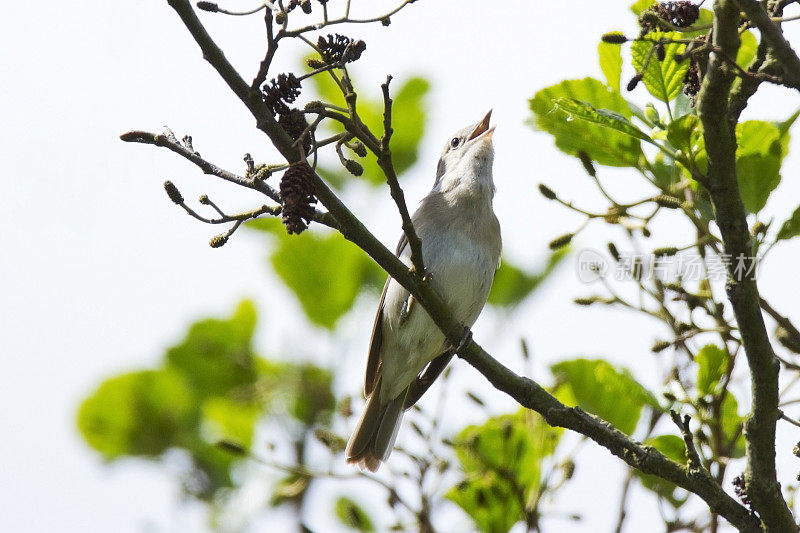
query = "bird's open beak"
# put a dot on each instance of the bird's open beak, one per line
(482, 127)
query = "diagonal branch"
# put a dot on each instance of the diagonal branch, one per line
(167, 140)
(525, 391)
(720, 139)
(386, 164)
(771, 33)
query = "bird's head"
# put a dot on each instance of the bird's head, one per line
(466, 161)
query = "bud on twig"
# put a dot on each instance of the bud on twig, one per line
(660, 346)
(204, 199)
(670, 202)
(614, 37)
(587, 163)
(560, 242)
(353, 167)
(173, 192)
(666, 251)
(232, 447)
(634, 82)
(547, 192)
(211, 7)
(218, 241)
(612, 249)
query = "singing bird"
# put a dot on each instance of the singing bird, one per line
(461, 246)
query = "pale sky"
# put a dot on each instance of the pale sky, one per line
(100, 272)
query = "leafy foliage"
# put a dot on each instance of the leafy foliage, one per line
(352, 515)
(324, 272)
(663, 79)
(605, 146)
(210, 388)
(502, 465)
(599, 388)
(512, 284)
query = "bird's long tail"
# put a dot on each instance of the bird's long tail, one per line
(374, 436)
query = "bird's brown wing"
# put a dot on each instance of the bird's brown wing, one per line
(424, 381)
(374, 358)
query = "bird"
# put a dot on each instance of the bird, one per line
(461, 245)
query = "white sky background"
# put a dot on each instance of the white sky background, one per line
(100, 272)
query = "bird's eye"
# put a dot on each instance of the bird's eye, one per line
(454, 142)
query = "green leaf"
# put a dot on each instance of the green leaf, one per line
(409, 118)
(312, 397)
(712, 364)
(611, 62)
(325, 272)
(290, 489)
(140, 413)
(761, 147)
(352, 515)
(604, 117)
(663, 79)
(686, 135)
(747, 49)
(216, 355)
(599, 388)
(231, 420)
(512, 284)
(670, 445)
(600, 143)
(731, 424)
(674, 448)
(791, 227)
(501, 462)
(641, 5)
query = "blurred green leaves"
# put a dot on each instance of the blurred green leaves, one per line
(600, 143)
(501, 462)
(674, 448)
(599, 388)
(408, 121)
(512, 284)
(324, 271)
(352, 515)
(211, 387)
(712, 363)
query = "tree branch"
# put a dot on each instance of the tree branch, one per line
(720, 139)
(386, 164)
(774, 36)
(525, 391)
(169, 141)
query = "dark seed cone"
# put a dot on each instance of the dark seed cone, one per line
(670, 202)
(691, 82)
(294, 124)
(281, 91)
(297, 193)
(666, 251)
(681, 13)
(741, 491)
(353, 167)
(315, 63)
(333, 48)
